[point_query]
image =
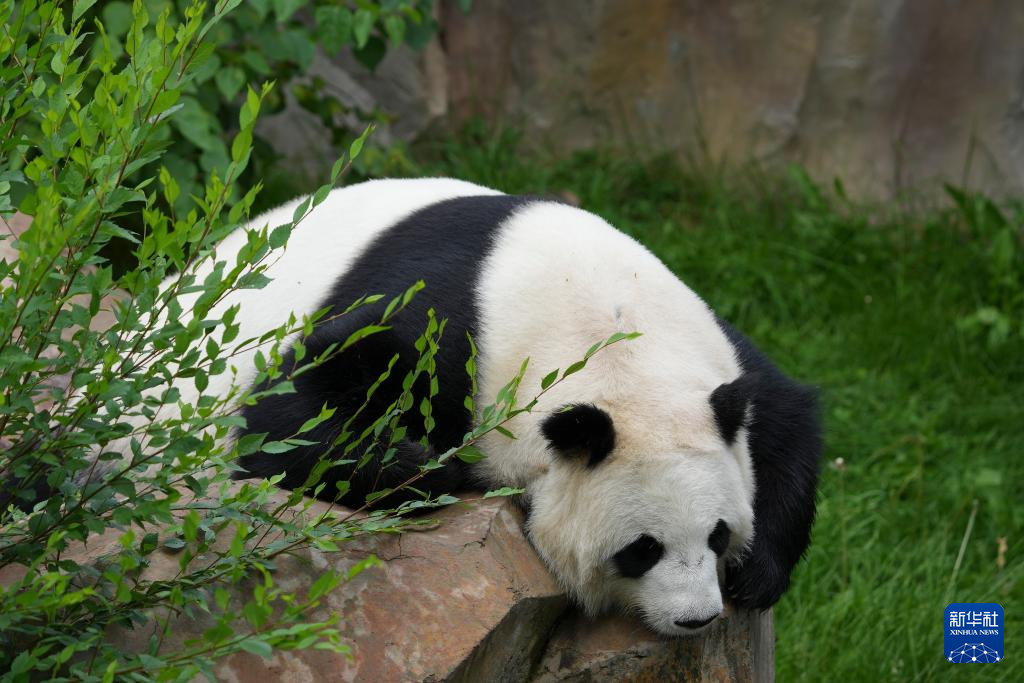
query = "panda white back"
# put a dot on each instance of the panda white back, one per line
(321, 249)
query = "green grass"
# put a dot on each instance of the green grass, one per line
(921, 393)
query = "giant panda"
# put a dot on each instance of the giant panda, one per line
(675, 464)
(679, 468)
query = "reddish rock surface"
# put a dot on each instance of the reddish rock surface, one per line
(467, 601)
(887, 94)
(739, 647)
(437, 596)
(470, 601)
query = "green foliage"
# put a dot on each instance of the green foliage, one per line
(910, 323)
(257, 41)
(76, 128)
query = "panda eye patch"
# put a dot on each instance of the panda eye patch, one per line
(638, 557)
(718, 541)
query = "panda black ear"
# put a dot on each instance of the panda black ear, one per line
(580, 429)
(730, 402)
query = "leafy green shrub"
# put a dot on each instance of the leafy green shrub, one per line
(91, 418)
(67, 391)
(259, 41)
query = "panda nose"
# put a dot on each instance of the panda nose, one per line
(696, 623)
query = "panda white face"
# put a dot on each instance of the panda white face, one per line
(670, 571)
(675, 591)
(630, 527)
(696, 409)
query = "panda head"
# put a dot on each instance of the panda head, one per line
(639, 513)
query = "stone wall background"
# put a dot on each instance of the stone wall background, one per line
(888, 94)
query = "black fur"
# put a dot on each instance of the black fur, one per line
(785, 447)
(580, 428)
(445, 245)
(718, 539)
(24, 494)
(729, 403)
(638, 557)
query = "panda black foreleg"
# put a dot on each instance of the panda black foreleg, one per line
(785, 442)
(373, 476)
(341, 384)
(376, 476)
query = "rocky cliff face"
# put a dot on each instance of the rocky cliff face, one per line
(887, 94)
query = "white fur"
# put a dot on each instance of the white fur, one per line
(320, 249)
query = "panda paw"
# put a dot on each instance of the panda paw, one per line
(757, 583)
